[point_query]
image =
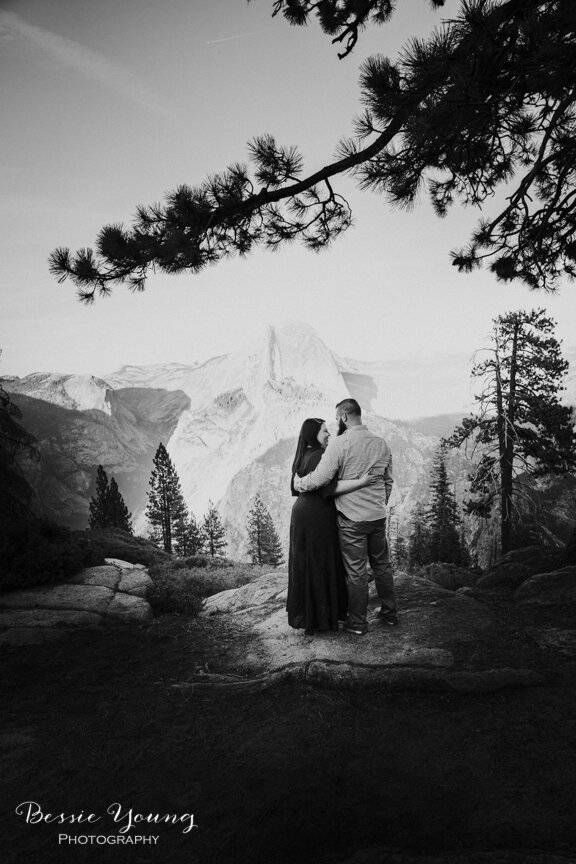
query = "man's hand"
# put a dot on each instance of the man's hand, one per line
(368, 479)
(297, 483)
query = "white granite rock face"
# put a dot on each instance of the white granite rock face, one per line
(106, 576)
(271, 587)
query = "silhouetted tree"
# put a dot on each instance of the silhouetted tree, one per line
(213, 531)
(99, 502)
(264, 545)
(400, 552)
(484, 103)
(117, 510)
(521, 428)
(419, 537)
(443, 517)
(16, 445)
(187, 535)
(107, 507)
(166, 508)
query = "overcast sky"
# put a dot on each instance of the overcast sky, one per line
(109, 104)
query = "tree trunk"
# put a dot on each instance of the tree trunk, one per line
(569, 554)
(506, 420)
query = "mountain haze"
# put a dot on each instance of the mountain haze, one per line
(230, 425)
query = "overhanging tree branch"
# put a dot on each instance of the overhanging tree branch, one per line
(487, 98)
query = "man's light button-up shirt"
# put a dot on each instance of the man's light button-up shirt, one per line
(348, 457)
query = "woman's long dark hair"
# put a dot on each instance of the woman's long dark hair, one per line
(307, 439)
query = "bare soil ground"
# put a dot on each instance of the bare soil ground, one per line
(289, 774)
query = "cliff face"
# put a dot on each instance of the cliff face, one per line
(73, 442)
(230, 425)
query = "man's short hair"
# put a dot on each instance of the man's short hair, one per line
(349, 406)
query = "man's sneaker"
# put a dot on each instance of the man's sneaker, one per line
(388, 616)
(357, 629)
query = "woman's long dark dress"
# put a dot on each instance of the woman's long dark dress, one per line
(317, 597)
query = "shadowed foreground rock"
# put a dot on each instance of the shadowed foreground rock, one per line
(445, 641)
(110, 594)
(549, 589)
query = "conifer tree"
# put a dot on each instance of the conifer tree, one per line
(99, 503)
(521, 429)
(117, 511)
(17, 446)
(419, 537)
(213, 531)
(188, 538)
(107, 507)
(264, 545)
(400, 551)
(443, 517)
(166, 508)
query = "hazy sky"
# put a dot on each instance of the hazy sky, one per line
(109, 104)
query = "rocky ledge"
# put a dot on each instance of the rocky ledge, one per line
(114, 593)
(446, 640)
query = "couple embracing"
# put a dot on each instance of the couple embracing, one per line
(338, 525)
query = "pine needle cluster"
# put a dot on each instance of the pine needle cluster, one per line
(486, 103)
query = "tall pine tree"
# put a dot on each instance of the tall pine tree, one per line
(187, 536)
(166, 509)
(117, 511)
(98, 503)
(107, 507)
(443, 517)
(419, 537)
(213, 531)
(264, 545)
(521, 429)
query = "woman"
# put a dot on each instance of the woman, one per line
(317, 597)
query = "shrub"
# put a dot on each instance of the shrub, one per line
(40, 552)
(181, 588)
(208, 561)
(169, 593)
(117, 543)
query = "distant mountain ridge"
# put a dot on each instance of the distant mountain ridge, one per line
(229, 423)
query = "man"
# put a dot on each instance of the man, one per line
(361, 514)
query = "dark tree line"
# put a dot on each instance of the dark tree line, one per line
(175, 528)
(16, 445)
(435, 530)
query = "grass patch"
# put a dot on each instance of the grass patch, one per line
(181, 584)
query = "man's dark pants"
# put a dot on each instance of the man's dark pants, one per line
(361, 542)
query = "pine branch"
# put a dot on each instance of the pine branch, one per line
(488, 97)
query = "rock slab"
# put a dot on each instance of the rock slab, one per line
(110, 594)
(557, 588)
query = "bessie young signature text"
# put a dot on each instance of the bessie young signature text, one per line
(127, 817)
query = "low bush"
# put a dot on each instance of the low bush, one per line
(207, 561)
(125, 546)
(171, 594)
(41, 552)
(181, 587)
